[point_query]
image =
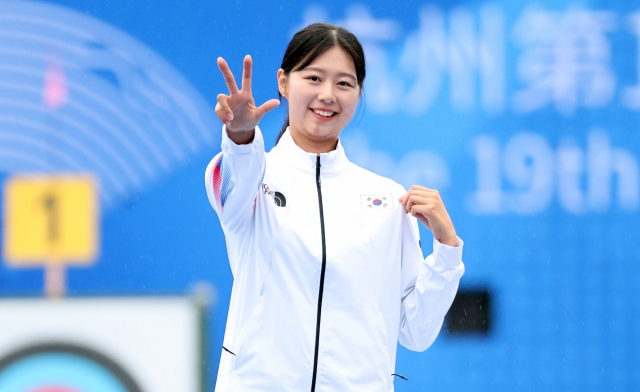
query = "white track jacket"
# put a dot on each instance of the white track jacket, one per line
(328, 271)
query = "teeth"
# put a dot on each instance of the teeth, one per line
(323, 113)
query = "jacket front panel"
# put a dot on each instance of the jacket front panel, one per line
(277, 350)
(359, 275)
(373, 261)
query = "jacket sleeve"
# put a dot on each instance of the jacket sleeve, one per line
(233, 178)
(428, 287)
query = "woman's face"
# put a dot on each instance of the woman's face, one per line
(322, 99)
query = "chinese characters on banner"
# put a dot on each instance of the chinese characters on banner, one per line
(479, 60)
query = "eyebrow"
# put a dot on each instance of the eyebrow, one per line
(322, 71)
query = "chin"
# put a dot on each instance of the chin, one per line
(322, 133)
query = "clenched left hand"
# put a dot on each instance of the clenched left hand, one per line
(426, 205)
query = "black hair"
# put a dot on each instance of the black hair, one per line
(310, 42)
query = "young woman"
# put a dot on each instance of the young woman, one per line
(325, 255)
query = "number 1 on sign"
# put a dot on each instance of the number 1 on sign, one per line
(52, 208)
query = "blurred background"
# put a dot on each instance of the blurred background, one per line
(523, 114)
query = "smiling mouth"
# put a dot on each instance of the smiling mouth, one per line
(323, 113)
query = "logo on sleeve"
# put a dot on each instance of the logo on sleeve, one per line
(278, 197)
(379, 202)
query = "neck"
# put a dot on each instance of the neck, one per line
(313, 146)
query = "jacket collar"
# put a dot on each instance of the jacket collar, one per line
(289, 152)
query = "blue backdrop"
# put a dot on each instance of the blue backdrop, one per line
(524, 115)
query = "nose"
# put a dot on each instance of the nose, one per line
(326, 93)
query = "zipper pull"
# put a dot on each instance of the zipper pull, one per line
(318, 171)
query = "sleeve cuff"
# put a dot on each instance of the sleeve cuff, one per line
(240, 149)
(447, 257)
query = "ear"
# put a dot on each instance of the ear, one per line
(282, 83)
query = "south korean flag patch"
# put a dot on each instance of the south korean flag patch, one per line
(377, 202)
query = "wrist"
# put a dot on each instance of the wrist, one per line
(449, 240)
(241, 137)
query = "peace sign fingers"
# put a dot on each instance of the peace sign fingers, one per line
(228, 76)
(238, 109)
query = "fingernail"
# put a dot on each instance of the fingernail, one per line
(230, 116)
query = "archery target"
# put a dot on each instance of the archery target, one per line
(123, 344)
(62, 368)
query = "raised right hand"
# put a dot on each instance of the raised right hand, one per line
(238, 109)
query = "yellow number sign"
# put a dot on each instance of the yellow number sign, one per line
(50, 220)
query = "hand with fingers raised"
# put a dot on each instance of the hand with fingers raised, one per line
(238, 109)
(426, 205)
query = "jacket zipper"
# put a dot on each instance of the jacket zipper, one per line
(321, 289)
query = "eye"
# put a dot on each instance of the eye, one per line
(344, 84)
(313, 78)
